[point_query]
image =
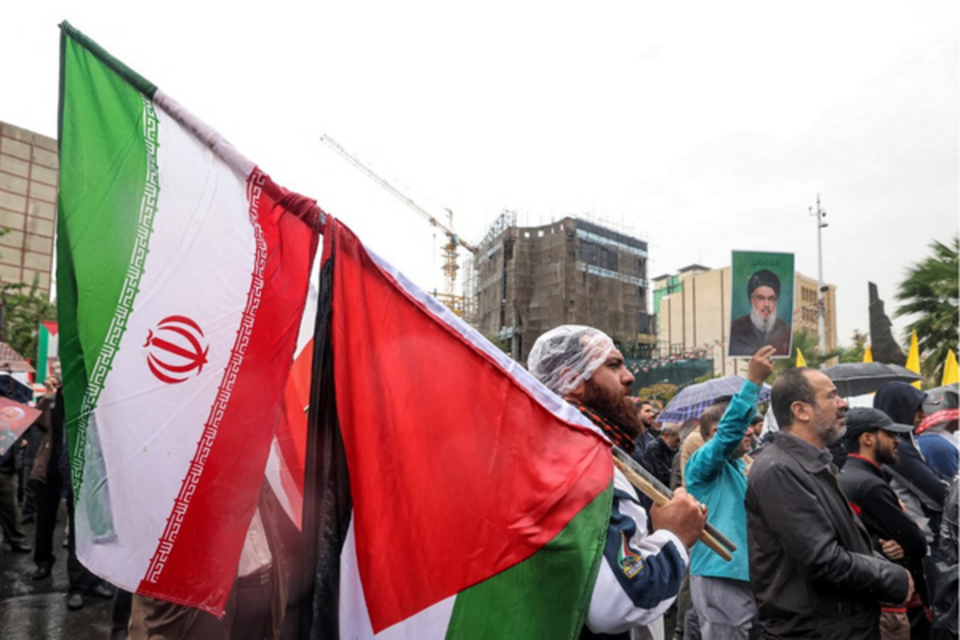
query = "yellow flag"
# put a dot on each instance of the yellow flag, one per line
(800, 361)
(951, 375)
(913, 359)
(867, 354)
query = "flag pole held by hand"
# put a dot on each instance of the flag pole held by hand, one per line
(654, 489)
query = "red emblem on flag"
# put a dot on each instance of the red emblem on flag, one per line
(177, 349)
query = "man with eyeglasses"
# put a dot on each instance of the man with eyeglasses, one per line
(761, 326)
(871, 441)
(813, 568)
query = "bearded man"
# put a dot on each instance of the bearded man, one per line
(871, 441)
(761, 326)
(650, 428)
(812, 567)
(641, 572)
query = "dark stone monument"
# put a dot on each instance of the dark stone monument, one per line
(882, 343)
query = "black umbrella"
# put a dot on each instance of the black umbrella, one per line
(857, 378)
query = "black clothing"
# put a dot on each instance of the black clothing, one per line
(920, 478)
(657, 459)
(81, 580)
(812, 566)
(900, 401)
(920, 482)
(50, 483)
(27, 451)
(746, 339)
(644, 441)
(47, 495)
(868, 490)
(9, 509)
(945, 585)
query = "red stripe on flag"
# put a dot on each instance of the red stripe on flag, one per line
(457, 472)
(196, 560)
(292, 430)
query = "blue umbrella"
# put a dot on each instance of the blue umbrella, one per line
(693, 400)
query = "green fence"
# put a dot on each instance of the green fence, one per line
(678, 372)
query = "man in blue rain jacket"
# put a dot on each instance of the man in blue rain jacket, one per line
(716, 476)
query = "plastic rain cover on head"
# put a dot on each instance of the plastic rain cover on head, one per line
(567, 355)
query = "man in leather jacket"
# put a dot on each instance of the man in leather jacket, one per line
(812, 566)
(871, 441)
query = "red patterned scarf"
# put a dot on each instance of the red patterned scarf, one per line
(616, 433)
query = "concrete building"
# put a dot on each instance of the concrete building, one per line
(531, 279)
(28, 206)
(693, 313)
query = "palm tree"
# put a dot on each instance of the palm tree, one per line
(855, 353)
(929, 293)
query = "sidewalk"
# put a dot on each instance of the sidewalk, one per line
(33, 609)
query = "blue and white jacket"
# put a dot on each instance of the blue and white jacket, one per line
(641, 572)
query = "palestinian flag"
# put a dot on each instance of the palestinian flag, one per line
(182, 276)
(468, 500)
(48, 349)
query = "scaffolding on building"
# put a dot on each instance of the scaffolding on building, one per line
(571, 271)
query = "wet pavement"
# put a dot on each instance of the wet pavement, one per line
(37, 609)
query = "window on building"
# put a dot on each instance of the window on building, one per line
(598, 256)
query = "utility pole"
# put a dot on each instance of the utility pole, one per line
(821, 307)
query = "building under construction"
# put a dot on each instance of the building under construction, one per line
(531, 279)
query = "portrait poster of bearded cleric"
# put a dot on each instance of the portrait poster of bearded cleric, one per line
(761, 308)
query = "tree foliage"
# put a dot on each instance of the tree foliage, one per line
(854, 353)
(24, 307)
(809, 346)
(929, 294)
(662, 392)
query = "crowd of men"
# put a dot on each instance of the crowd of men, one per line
(34, 482)
(844, 522)
(842, 528)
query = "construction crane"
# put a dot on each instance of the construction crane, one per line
(450, 249)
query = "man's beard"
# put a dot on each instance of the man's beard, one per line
(764, 325)
(829, 428)
(616, 407)
(887, 454)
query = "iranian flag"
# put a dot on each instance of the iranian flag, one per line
(182, 275)
(452, 494)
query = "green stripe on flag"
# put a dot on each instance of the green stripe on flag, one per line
(133, 78)
(43, 346)
(545, 596)
(108, 192)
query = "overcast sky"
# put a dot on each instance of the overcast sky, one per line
(703, 127)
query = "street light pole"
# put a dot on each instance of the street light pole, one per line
(821, 308)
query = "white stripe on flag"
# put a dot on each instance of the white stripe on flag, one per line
(189, 242)
(292, 503)
(431, 622)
